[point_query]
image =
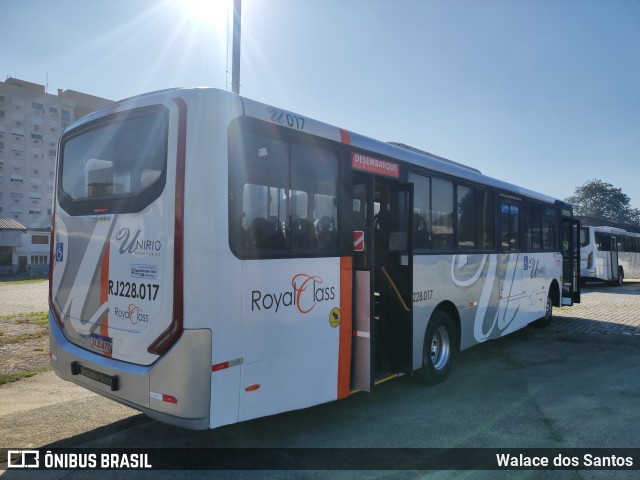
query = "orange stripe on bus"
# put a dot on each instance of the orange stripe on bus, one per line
(104, 292)
(345, 137)
(344, 346)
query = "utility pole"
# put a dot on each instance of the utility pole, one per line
(235, 64)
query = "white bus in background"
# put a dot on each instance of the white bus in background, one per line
(217, 259)
(609, 254)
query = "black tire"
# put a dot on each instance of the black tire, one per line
(438, 349)
(545, 321)
(620, 280)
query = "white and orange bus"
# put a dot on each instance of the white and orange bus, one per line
(216, 259)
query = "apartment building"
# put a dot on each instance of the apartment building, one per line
(31, 123)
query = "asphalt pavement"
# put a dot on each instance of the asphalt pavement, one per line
(572, 385)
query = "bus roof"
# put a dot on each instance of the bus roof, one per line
(295, 121)
(393, 150)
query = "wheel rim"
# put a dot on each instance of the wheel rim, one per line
(440, 348)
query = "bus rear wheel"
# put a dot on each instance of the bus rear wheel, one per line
(438, 349)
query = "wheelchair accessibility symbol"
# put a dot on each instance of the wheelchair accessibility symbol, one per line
(59, 251)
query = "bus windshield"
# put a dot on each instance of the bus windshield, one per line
(584, 237)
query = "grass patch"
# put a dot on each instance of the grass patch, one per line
(18, 376)
(38, 318)
(28, 336)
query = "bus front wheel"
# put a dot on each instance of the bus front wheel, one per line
(618, 282)
(438, 349)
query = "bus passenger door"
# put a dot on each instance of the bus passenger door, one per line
(570, 238)
(362, 227)
(613, 258)
(393, 340)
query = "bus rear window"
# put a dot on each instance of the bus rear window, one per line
(117, 164)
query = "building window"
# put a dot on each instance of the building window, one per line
(39, 259)
(66, 116)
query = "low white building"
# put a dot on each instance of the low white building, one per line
(12, 234)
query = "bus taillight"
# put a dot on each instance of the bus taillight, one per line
(52, 308)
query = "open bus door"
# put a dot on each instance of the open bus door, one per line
(394, 280)
(570, 238)
(613, 259)
(383, 280)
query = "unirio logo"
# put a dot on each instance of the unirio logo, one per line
(136, 246)
(306, 292)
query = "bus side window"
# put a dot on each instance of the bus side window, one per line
(281, 188)
(510, 226)
(422, 239)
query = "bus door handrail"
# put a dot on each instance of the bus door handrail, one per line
(395, 289)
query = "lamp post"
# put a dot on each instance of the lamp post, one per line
(235, 64)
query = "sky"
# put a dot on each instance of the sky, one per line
(544, 94)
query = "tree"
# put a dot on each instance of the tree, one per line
(600, 199)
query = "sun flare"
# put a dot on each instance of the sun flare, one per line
(212, 13)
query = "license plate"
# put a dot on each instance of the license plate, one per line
(108, 380)
(104, 344)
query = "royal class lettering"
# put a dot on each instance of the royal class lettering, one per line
(136, 245)
(138, 290)
(306, 292)
(133, 313)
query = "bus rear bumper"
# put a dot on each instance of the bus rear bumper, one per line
(176, 389)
